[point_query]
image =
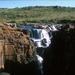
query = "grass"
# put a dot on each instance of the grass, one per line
(38, 14)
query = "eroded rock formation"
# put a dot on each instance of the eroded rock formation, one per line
(15, 48)
(59, 58)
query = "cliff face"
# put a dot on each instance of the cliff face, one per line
(59, 58)
(15, 46)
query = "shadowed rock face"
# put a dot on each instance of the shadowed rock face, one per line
(22, 69)
(59, 58)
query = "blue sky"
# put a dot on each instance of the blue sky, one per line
(24, 3)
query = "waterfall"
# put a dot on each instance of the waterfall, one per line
(40, 61)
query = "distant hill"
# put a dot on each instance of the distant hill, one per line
(40, 14)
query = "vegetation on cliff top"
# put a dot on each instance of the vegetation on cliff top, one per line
(40, 14)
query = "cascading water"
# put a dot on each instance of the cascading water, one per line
(40, 61)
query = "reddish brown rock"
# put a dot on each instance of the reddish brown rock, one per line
(16, 46)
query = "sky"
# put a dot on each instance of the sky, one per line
(26, 3)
